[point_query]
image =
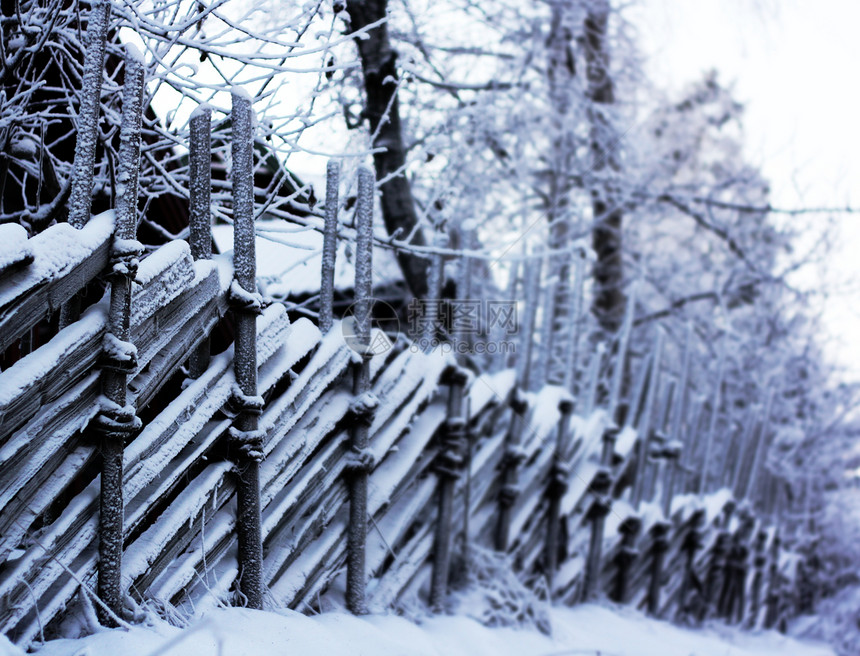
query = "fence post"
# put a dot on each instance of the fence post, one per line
(773, 585)
(689, 547)
(556, 489)
(532, 291)
(759, 562)
(200, 210)
(510, 465)
(644, 428)
(624, 559)
(81, 190)
(448, 464)
(246, 304)
(364, 403)
(715, 414)
(596, 516)
(659, 547)
(116, 420)
(329, 254)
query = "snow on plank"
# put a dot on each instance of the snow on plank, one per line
(64, 260)
(48, 372)
(15, 252)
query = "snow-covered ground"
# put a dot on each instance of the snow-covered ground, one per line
(583, 630)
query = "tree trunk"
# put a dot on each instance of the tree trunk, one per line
(378, 62)
(609, 301)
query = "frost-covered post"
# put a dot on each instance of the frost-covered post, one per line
(329, 254)
(544, 361)
(200, 220)
(748, 483)
(773, 584)
(448, 464)
(759, 563)
(116, 420)
(246, 438)
(80, 194)
(558, 484)
(364, 404)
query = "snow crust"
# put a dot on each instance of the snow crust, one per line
(587, 630)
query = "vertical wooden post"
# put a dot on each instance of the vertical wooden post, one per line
(511, 461)
(624, 559)
(689, 547)
(759, 563)
(712, 429)
(596, 516)
(80, 195)
(544, 360)
(772, 600)
(329, 255)
(558, 483)
(675, 446)
(365, 403)
(532, 289)
(659, 546)
(116, 420)
(448, 464)
(247, 439)
(200, 210)
(81, 192)
(644, 427)
(571, 369)
(759, 452)
(618, 371)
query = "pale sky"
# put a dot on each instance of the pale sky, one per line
(794, 64)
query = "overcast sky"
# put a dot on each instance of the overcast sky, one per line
(794, 63)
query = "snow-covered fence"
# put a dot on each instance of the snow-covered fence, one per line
(263, 472)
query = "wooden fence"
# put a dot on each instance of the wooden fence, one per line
(296, 453)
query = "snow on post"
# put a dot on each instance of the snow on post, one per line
(246, 439)
(447, 466)
(329, 254)
(200, 220)
(463, 338)
(644, 427)
(364, 403)
(116, 420)
(80, 196)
